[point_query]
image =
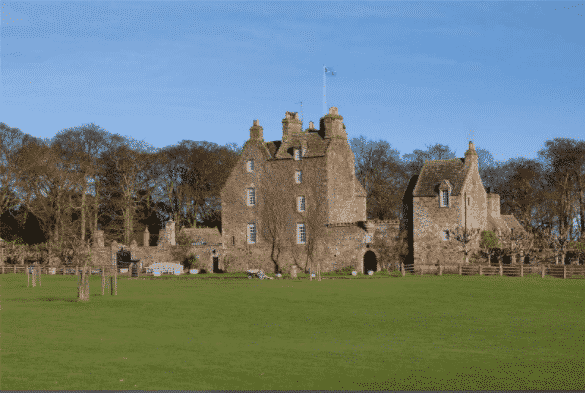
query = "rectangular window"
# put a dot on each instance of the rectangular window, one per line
(301, 204)
(297, 154)
(445, 199)
(233, 240)
(301, 235)
(446, 235)
(250, 166)
(251, 233)
(468, 201)
(251, 197)
(299, 176)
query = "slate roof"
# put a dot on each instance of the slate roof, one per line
(316, 145)
(435, 171)
(203, 235)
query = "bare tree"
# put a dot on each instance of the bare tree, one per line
(274, 217)
(464, 236)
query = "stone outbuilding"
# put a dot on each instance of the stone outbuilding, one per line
(449, 194)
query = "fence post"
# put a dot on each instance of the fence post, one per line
(40, 272)
(480, 270)
(460, 270)
(27, 277)
(440, 270)
(14, 269)
(2, 269)
(521, 270)
(564, 271)
(542, 271)
(403, 272)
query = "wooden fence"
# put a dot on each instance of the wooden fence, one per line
(559, 271)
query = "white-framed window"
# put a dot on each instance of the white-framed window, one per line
(251, 233)
(250, 165)
(297, 154)
(445, 198)
(446, 234)
(301, 234)
(301, 203)
(251, 197)
(299, 176)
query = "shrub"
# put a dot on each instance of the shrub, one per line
(346, 270)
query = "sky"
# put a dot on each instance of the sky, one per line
(508, 75)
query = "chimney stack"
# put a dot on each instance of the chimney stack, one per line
(291, 126)
(256, 132)
(471, 155)
(332, 123)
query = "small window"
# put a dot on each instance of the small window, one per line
(233, 240)
(301, 204)
(250, 165)
(251, 197)
(512, 231)
(445, 198)
(299, 177)
(297, 154)
(468, 201)
(446, 235)
(251, 233)
(301, 235)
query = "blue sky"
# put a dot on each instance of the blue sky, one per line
(413, 74)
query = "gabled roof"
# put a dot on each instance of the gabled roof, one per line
(435, 171)
(513, 223)
(203, 235)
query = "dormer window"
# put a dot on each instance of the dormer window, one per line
(250, 165)
(251, 199)
(299, 177)
(445, 198)
(301, 204)
(297, 154)
(444, 192)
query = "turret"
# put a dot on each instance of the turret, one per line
(256, 132)
(332, 125)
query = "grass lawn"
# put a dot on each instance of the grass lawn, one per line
(394, 333)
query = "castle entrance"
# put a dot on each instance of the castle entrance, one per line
(370, 262)
(215, 264)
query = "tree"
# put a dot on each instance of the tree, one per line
(464, 236)
(274, 217)
(314, 225)
(489, 242)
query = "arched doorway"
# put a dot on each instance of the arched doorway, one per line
(370, 262)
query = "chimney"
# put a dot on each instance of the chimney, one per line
(471, 156)
(256, 132)
(311, 126)
(332, 123)
(291, 126)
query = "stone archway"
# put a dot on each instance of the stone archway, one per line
(370, 261)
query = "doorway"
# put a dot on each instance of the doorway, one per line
(370, 262)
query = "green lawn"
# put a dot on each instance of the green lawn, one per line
(412, 333)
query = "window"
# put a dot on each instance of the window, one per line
(446, 234)
(304, 151)
(301, 204)
(250, 166)
(445, 198)
(299, 177)
(251, 233)
(233, 240)
(512, 231)
(468, 201)
(251, 197)
(297, 154)
(301, 235)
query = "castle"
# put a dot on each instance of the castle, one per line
(283, 192)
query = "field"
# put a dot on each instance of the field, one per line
(387, 333)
